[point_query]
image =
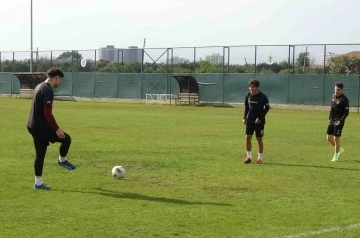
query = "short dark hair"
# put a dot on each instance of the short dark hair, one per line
(254, 82)
(53, 72)
(339, 85)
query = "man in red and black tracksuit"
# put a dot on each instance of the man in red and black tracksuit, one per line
(43, 127)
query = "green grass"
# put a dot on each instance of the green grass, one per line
(185, 174)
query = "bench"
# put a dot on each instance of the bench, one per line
(26, 92)
(188, 98)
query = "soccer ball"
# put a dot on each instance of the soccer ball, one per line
(118, 172)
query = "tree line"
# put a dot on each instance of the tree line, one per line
(71, 62)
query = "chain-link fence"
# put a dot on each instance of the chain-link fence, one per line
(253, 59)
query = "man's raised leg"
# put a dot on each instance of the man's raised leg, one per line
(63, 151)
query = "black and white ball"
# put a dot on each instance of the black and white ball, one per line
(118, 172)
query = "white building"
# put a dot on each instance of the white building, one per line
(112, 54)
(176, 60)
(215, 58)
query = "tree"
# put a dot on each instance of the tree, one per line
(344, 65)
(70, 54)
(43, 64)
(6, 66)
(268, 68)
(286, 71)
(207, 67)
(110, 68)
(22, 65)
(303, 57)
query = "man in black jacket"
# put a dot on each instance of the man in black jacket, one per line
(338, 113)
(256, 108)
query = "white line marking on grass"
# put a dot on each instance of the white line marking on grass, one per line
(310, 233)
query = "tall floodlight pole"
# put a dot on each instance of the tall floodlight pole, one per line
(31, 37)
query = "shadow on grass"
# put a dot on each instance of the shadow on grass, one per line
(136, 196)
(351, 161)
(313, 166)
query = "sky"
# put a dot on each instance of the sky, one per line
(91, 24)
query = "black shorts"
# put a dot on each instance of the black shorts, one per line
(44, 136)
(258, 128)
(334, 130)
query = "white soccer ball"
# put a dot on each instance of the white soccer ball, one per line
(118, 172)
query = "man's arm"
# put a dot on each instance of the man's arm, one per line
(48, 97)
(331, 104)
(265, 109)
(246, 106)
(346, 110)
(266, 106)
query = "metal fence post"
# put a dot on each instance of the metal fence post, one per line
(194, 61)
(95, 62)
(13, 64)
(143, 56)
(122, 61)
(324, 75)
(223, 70)
(228, 65)
(37, 59)
(172, 61)
(293, 60)
(289, 58)
(324, 59)
(118, 61)
(255, 58)
(77, 61)
(223, 73)
(167, 61)
(72, 61)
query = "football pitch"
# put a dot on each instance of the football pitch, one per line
(185, 175)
